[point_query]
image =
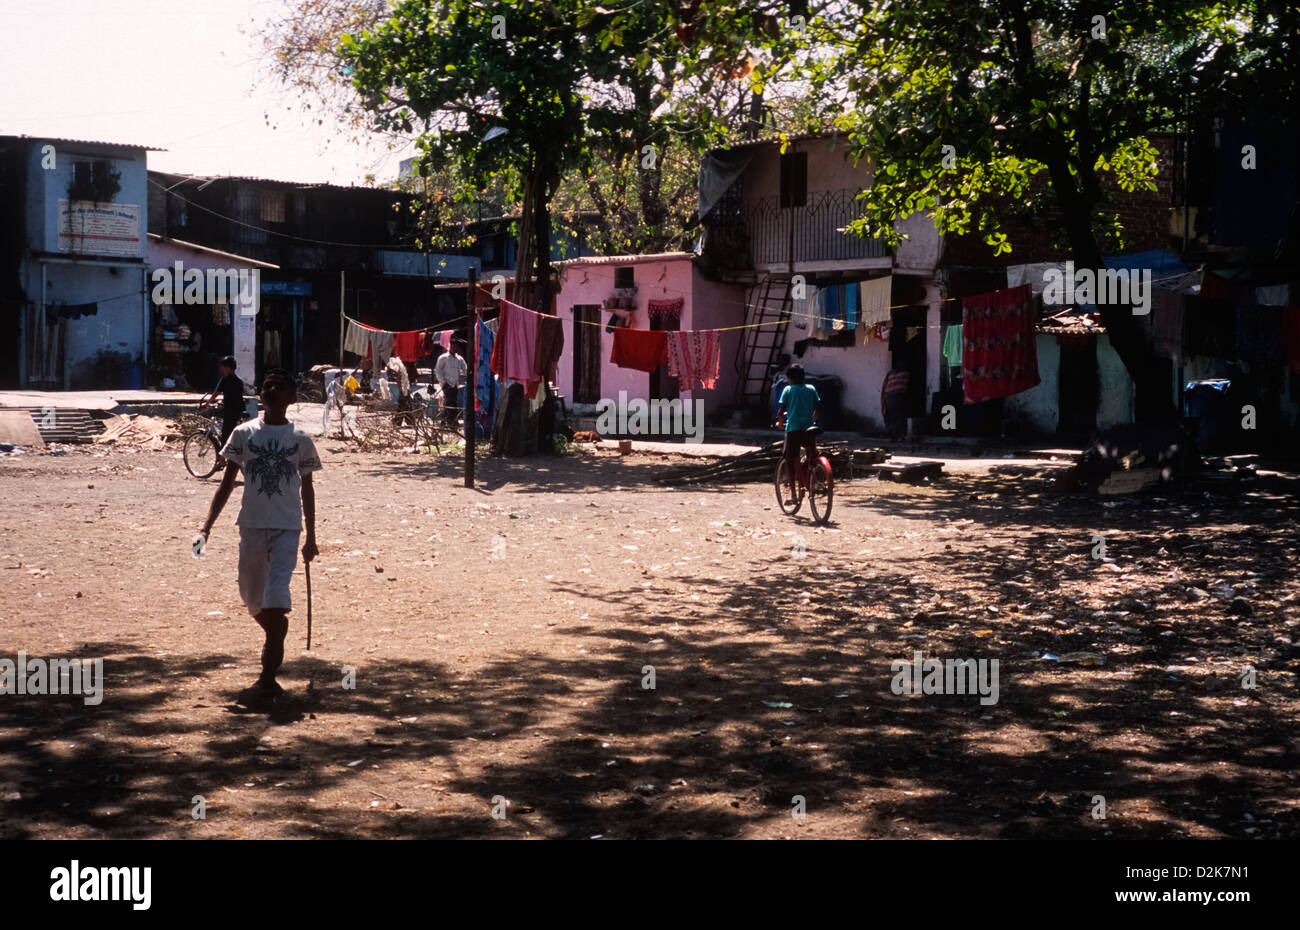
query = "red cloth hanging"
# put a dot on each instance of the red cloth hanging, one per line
(640, 349)
(999, 356)
(1215, 287)
(1291, 338)
(548, 349)
(406, 346)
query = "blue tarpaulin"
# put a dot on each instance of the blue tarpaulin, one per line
(1163, 265)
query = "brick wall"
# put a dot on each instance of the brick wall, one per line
(1144, 214)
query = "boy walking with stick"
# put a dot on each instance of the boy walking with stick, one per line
(277, 460)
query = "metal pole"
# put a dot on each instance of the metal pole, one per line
(144, 293)
(342, 292)
(469, 391)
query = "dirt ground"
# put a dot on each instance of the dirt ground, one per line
(500, 636)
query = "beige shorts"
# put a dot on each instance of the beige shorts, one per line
(267, 559)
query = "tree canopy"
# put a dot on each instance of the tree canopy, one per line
(537, 92)
(959, 105)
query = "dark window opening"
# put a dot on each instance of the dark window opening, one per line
(95, 181)
(624, 277)
(794, 179)
(271, 206)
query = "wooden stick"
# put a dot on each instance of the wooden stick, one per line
(307, 567)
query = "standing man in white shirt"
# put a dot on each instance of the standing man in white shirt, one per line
(450, 371)
(278, 461)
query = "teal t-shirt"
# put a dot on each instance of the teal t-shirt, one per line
(799, 400)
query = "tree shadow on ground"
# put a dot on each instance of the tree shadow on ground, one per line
(778, 689)
(540, 474)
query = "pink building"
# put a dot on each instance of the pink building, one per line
(586, 374)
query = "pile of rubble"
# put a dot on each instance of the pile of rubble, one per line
(144, 432)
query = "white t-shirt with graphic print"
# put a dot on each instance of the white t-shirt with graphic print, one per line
(273, 460)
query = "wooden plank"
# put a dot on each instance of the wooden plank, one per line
(1130, 481)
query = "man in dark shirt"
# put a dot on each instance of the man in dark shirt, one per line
(231, 390)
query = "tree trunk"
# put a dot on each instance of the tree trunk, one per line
(526, 241)
(542, 249)
(754, 125)
(1153, 403)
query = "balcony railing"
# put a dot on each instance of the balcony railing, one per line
(816, 229)
(760, 232)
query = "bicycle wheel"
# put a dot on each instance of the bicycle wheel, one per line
(821, 491)
(782, 483)
(200, 454)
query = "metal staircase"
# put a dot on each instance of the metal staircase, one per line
(767, 314)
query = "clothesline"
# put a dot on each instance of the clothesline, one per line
(691, 355)
(732, 303)
(752, 306)
(427, 329)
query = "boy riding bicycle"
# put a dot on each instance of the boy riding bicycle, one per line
(800, 406)
(231, 390)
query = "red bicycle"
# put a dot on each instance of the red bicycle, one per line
(816, 483)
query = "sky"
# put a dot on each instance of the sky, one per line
(174, 74)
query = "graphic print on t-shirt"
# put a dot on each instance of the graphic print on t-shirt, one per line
(272, 467)
(274, 458)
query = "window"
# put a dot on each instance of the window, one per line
(794, 179)
(271, 206)
(624, 277)
(95, 181)
(176, 215)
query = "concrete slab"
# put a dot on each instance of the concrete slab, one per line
(95, 400)
(18, 427)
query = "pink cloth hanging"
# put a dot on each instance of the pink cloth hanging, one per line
(514, 353)
(444, 338)
(695, 355)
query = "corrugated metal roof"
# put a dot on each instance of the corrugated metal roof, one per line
(775, 138)
(1071, 323)
(627, 259)
(154, 237)
(119, 145)
(485, 276)
(298, 184)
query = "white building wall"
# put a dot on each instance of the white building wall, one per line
(863, 366)
(1037, 410)
(1116, 394)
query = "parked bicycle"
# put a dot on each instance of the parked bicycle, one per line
(202, 449)
(814, 481)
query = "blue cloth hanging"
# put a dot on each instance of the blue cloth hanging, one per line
(850, 305)
(485, 388)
